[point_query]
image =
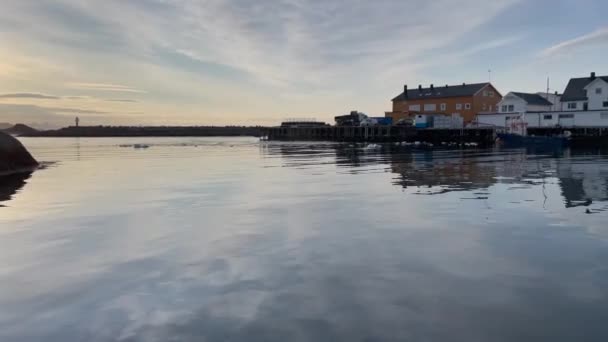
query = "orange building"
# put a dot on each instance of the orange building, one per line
(466, 100)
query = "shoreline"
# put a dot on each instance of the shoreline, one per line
(148, 131)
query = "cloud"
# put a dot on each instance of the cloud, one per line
(56, 116)
(104, 87)
(121, 100)
(277, 55)
(28, 96)
(595, 38)
(62, 110)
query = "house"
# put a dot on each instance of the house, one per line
(466, 100)
(555, 98)
(583, 104)
(515, 102)
(586, 93)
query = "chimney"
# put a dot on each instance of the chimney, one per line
(446, 86)
(593, 75)
(556, 93)
(463, 84)
(420, 87)
(432, 87)
(405, 91)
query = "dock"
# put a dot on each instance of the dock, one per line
(582, 136)
(481, 136)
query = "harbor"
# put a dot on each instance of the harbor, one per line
(472, 113)
(480, 136)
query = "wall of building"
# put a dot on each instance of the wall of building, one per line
(556, 99)
(501, 120)
(596, 101)
(549, 119)
(451, 105)
(579, 105)
(538, 108)
(518, 104)
(485, 101)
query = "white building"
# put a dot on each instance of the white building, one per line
(583, 104)
(555, 98)
(515, 102)
(586, 93)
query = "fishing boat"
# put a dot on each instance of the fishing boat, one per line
(516, 135)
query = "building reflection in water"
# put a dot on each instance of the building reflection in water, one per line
(582, 175)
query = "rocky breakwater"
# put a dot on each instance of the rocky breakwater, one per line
(14, 158)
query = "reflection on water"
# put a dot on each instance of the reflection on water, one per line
(9, 185)
(235, 240)
(582, 175)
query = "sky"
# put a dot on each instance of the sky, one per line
(212, 62)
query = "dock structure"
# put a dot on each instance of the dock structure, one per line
(580, 136)
(482, 136)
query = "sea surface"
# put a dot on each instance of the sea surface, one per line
(232, 239)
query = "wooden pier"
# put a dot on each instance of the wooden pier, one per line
(482, 136)
(580, 136)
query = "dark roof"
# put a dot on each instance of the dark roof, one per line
(442, 91)
(533, 99)
(575, 90)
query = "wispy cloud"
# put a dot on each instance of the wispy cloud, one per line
(28, 96)
(595, 38)
(104, 87)
(53, 116)
(121, 100)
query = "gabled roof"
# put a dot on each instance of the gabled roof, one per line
(533, 99)
(442, 91)
(575, 90)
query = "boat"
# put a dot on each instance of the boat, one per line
(516, 135)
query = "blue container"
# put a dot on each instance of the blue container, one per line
(384, 121)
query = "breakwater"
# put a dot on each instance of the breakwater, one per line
(149, 131)
(482, 136)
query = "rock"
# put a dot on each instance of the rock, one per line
(14, 158)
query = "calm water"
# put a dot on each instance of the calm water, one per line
(233, 240)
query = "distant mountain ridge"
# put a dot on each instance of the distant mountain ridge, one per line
(19, 129)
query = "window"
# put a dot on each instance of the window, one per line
(414, 108)
(548, 117)
(467, 106)
(491, 94)
(459, 106)
(485, 106)
(598, 90)
(572, 105)
(443, 106)
(566, 116)
(505, 108)
(511, 108)
(430, 107)
(604, 115)
(485, 93)
(605, 104)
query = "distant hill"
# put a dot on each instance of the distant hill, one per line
(5, 125)
(20, 129)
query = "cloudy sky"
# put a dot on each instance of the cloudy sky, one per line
(257, 62)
